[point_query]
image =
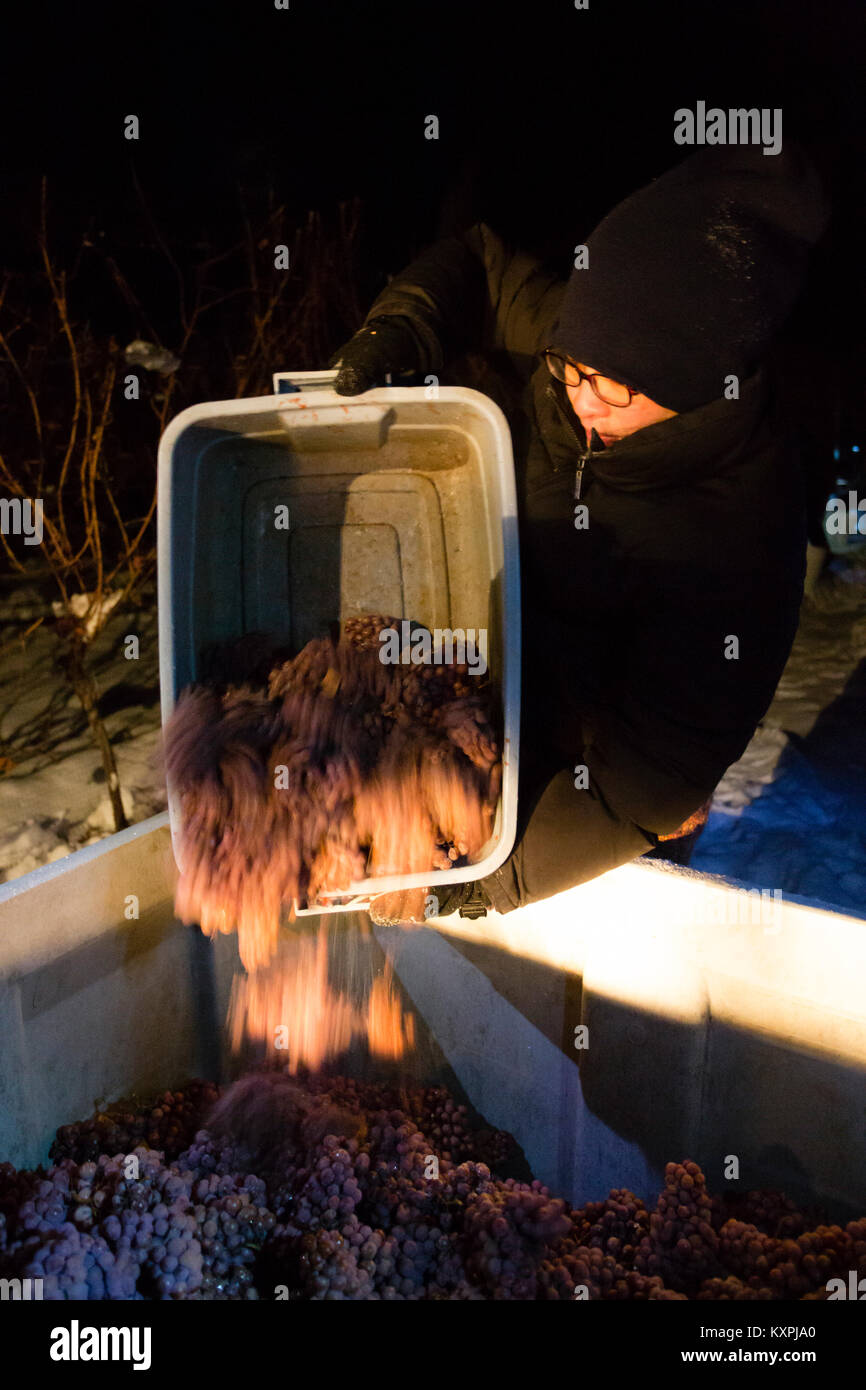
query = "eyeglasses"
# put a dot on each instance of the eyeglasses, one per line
(610, 391)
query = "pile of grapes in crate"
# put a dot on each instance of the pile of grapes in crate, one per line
(335, 1189)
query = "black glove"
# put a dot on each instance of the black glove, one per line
(384, 346)
(469, 899)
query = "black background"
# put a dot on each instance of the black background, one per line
(548, 115)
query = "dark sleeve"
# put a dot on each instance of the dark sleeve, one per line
(682, 714)
(474, 293)
(571, 836)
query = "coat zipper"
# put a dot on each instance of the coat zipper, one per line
(578, 477)
(585, 452)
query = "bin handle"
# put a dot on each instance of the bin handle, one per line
(287, 382)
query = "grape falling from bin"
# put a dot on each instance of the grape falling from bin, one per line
(340, 767)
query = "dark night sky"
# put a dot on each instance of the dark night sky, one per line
(548, 115)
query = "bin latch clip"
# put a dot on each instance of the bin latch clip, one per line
(474, 905)
(475, 911)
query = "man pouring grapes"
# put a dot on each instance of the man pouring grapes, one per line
(661, 512)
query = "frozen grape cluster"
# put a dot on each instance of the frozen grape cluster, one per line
(334, 1189)
(617, 1225)
(134, 1226)
(506, 1227)
(681, 1245)
(790, 1268)
(771, 1212)
(169, 1124)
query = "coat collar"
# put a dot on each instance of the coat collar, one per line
(697, 443)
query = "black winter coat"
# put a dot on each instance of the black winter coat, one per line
(696, 535)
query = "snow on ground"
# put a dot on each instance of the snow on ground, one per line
(53, 796)
(791, 814)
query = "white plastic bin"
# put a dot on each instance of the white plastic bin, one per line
(400, 501)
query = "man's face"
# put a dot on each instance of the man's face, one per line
(611, 422)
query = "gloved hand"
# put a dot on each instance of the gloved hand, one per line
(414, 905)
(385, 345)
